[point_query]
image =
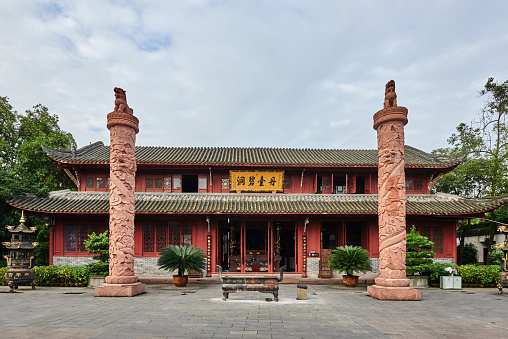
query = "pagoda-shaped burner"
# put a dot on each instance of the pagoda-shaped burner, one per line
(20, 258)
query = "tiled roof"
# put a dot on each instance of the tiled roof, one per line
(67, 201)
(98, 153)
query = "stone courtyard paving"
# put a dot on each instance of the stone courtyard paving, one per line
(198, 311)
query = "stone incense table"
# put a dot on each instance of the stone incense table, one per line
(389, 122)
(123, 126)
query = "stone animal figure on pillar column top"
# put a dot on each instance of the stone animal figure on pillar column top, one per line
(121, 102)
(390, 95)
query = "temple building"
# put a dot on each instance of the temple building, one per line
(250, 209)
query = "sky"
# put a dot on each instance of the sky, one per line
(264, 73)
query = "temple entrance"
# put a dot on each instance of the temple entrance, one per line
(256, 246)
(285, 247)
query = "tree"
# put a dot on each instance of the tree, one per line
(484, 172)
(419, 253)
(24, 167)
(98, 244)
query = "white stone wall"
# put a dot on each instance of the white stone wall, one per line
(147, 266)
(143, 266)
(479, 243)
(72, 261)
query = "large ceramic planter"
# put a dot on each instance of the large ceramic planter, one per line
(350, 280)
(450, 282)
(180, 280)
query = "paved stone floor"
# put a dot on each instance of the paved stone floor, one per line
(198, 311)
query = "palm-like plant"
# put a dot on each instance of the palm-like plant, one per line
(182, 258)
(350, 259)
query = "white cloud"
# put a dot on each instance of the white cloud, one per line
(252, 73)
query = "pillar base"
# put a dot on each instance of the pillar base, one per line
(393, 293)
(120, 290)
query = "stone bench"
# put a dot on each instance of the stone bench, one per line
(238, 283)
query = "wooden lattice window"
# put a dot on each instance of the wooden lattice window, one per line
(418, 185)
(167, 183)
(75, 235)
(161, 237)
(149, 182)
(287, 183)
(101, 182)
(70, 238)
(156, 237)
(438, 238)
(90, 182)
(158, 182)
(82, 237)
(148, 238)
(434, 234)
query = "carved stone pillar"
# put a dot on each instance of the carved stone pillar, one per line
(123, 126)
(389, 123)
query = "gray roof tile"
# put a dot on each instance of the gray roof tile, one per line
(98, 153)
(67, 201)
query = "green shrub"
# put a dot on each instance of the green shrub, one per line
(2, 273)
(350, 259)
(98, 244)
(73, 275)
(471, 274)
(419, 253)
(496, 255)
(469, 254)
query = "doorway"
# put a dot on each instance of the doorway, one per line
(284, 240)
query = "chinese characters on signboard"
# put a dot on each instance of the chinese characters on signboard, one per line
(256, 181)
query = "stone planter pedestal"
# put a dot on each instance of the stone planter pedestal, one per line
(420, 281)
(450, 282)
(96, 280)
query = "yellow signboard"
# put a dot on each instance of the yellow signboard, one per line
(256, 181)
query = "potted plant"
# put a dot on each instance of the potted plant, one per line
(350, 259)
(449, 280)
(98, 244)
(419, 256)
(182, 259)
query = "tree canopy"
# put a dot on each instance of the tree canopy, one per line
(484, 173)
(24, 167)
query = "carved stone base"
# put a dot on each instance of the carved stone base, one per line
(120, 290)
(393, 293)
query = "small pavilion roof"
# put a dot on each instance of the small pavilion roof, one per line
(67, 201)
(98, 153)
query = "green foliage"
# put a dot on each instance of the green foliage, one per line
(419, 253)
(495, 256)
(350, 259)
(182, 258)
(470, 253)
(24, 167)
(471, 274)
(98, 244)
(484, 173)
(61, 274)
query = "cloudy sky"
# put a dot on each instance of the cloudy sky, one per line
(264, 73)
